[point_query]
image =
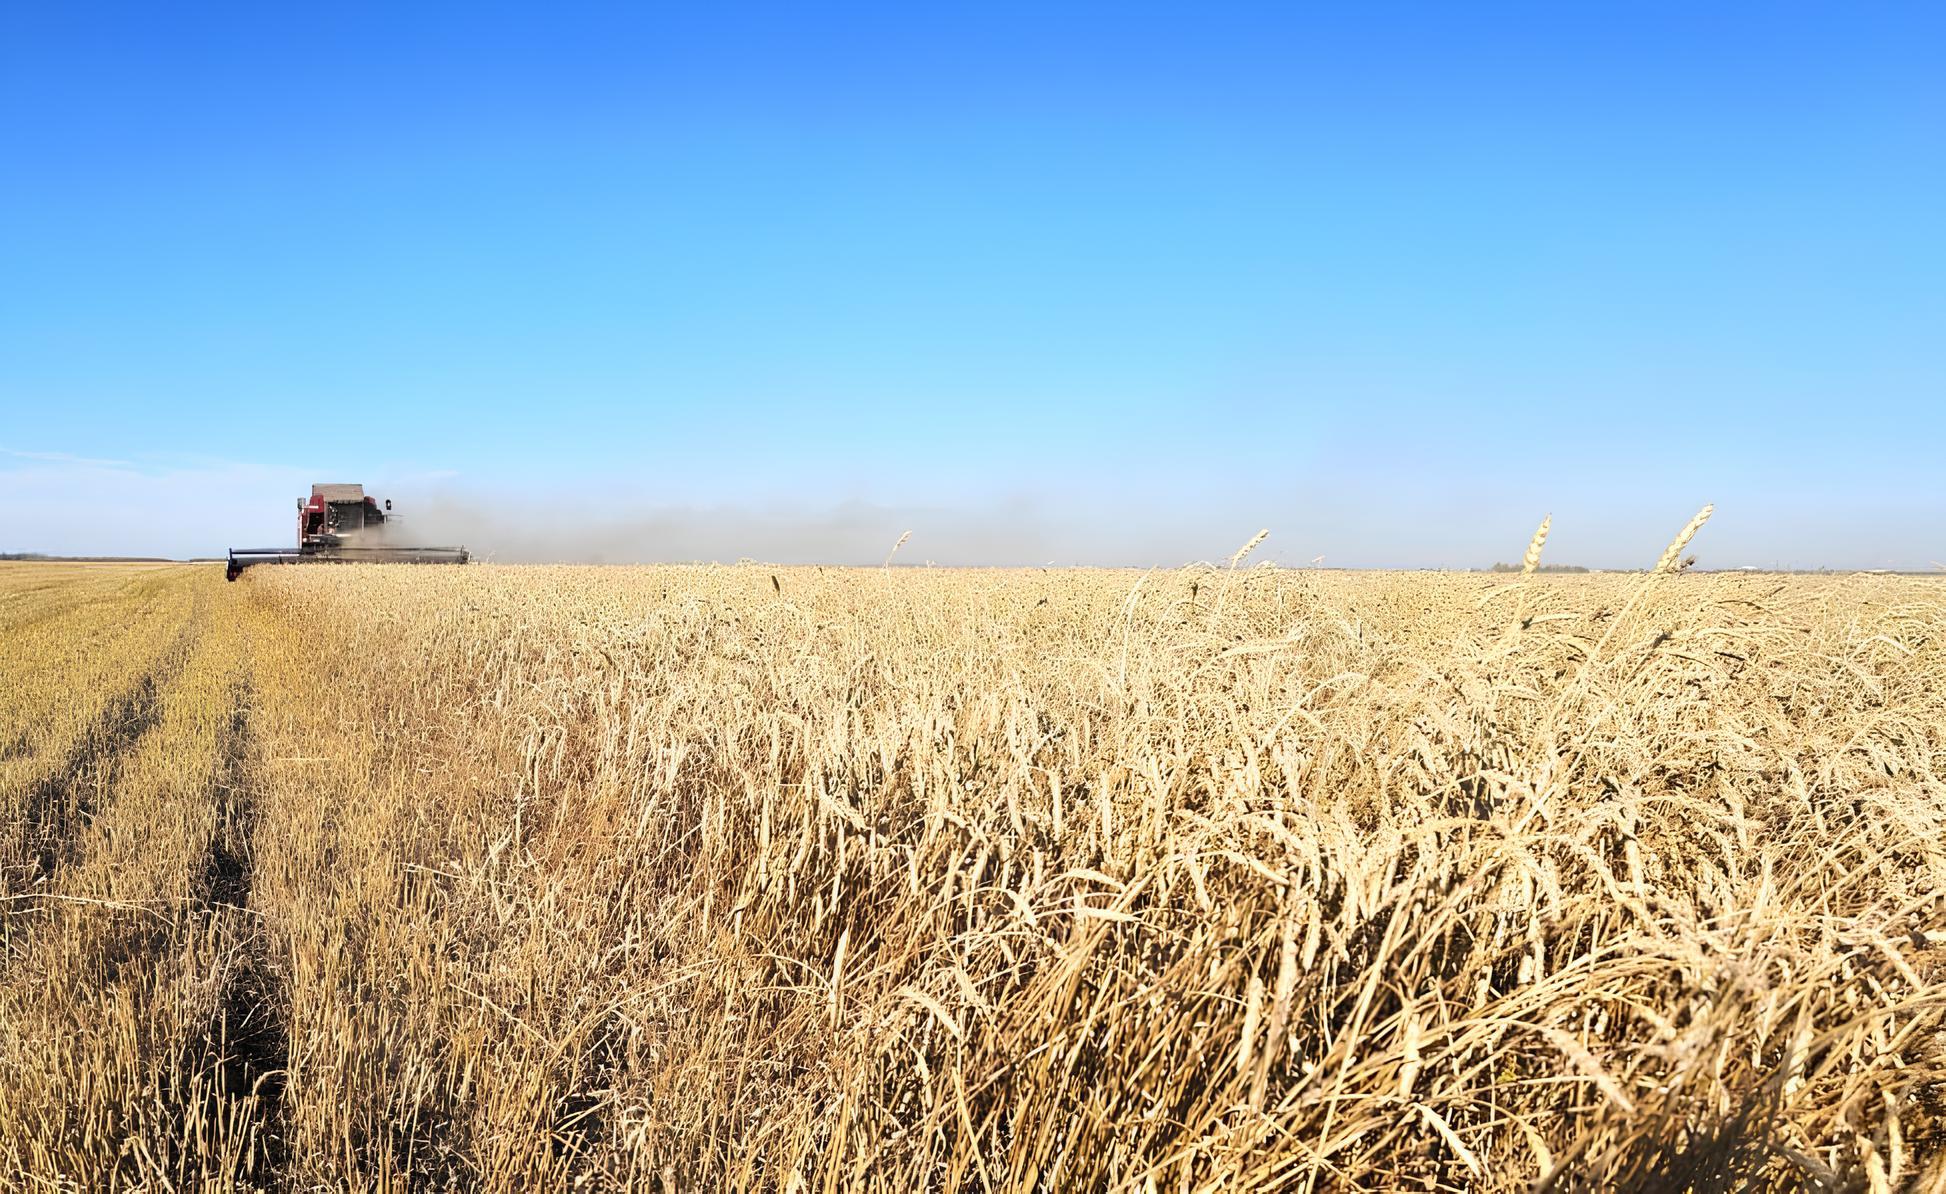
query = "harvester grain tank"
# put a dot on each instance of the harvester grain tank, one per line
(340, 525)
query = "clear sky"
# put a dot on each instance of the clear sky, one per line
(1116, 283)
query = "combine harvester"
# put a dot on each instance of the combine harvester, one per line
(340, 525)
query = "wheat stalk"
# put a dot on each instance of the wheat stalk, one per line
(1673, 554)
(895, 549)
(1532, 560)
(1249, 547)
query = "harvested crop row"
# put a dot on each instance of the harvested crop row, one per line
(117, 1013)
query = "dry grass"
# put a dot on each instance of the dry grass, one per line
(810, 879)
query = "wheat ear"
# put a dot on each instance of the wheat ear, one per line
(1673, 555)
(1249, 547)
(1532, 560)
(895, 549)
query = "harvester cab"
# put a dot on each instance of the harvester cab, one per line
(339, 524)
(337, 513)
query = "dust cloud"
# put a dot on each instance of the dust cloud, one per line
(585, 532)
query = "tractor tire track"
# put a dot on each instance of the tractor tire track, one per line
(55, 809)
(251, 1034)
(65, 801)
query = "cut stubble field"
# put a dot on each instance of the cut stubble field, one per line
(909, 879)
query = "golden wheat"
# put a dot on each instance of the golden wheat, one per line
(694, 878)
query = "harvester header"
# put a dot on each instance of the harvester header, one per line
(338, 524)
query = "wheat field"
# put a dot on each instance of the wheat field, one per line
(907, 879)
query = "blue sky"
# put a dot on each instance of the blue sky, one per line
(1088, 283)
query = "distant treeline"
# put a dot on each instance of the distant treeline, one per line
(41, 555)
(1543, 568)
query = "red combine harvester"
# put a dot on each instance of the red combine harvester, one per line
(340, 525)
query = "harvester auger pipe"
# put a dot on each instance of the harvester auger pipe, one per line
(340, 525)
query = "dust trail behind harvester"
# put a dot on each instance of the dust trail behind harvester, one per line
(844, 534)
